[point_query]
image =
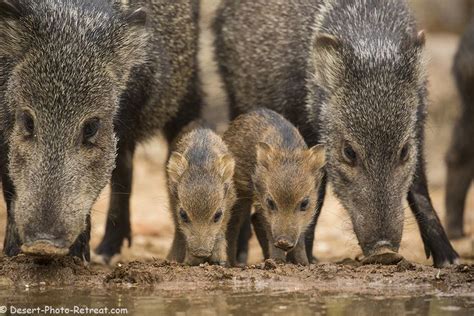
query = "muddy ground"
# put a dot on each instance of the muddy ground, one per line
(347, 276)
(142, 264)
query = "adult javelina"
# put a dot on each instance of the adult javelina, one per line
(460, 157)
(349, 74)
(81, 82)
(202, 194)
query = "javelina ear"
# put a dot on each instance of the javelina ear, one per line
(177, 165)
(137, 17)
(130, 44)
(10, 9)
(316, 157)
(264, 154)
(328, 66)
(226, 168)
(328, 41)
(11, 33)
(420, 39)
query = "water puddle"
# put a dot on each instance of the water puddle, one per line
(228, 301)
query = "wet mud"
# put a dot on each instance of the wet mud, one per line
(348, 276)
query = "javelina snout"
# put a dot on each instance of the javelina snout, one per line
(372, 184)
(200, 243)
(284, 243)
(57, 179)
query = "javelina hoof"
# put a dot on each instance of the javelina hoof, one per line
(387, 258)
(313, 260)
(44, 248)
(104, 260)
(270, 264)
(218, 263)
(405, 265)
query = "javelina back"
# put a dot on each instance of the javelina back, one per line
(349, 74)
(460, 157)
(276, 172)
(81, 83)
(202, 194)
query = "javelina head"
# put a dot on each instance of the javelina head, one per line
(374, 95)
(65, 65)
(286, 187)
(204, 198)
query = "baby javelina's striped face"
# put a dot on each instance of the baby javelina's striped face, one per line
(204, 197)
(286, 185)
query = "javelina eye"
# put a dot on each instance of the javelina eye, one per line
(89, 131)
(304, 204)
(349, 154)
(404, 153)
(271, 204)
(218, 216)
(184, 216)
(27, 124)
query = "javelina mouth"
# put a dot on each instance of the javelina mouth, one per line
(387, 258)
(284, 244)
(44, 248)
(201, 254)
(379, 248)
(382, 253)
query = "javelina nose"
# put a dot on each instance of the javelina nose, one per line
(284, 243)
(201, 253)
(383, 246)
(44, 244)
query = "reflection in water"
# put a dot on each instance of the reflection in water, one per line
(238, 302)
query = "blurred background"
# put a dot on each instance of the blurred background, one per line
(152, 227)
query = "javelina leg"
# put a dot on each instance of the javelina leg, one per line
(460, 163)
(178, 248)
(239, 212)
(259, 226)
(432, 233)
(80, 248)
(243, 242)
(219, 254)
(309, 236)
(117, 228)
(298, 254)
(12, 242)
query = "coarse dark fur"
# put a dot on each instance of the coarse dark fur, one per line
(349, 74)
(460, 157)
(81, 83)
(202, 194)
(278, 175)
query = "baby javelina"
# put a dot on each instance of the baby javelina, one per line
(200, 171)
(277, 174)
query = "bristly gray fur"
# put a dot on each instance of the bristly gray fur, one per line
(67, 61)
(460, 156)
(346, 73)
